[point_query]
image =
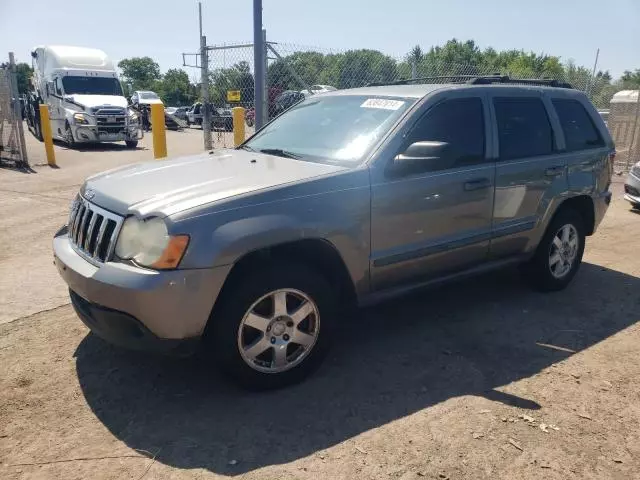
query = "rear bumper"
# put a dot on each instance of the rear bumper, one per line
(168, 305)
(601, 203)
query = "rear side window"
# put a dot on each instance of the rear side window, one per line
(523, 128)
(579, 131)
(460, 123)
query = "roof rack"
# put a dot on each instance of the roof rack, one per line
(481, 80)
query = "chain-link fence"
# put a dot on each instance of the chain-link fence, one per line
(12, 146)
(294, 72)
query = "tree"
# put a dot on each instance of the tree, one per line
(175, 88)
(630, 80)
(140, 73)
(23, 75)
(238, 77)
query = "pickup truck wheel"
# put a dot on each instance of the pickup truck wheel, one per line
(559, 254)
(131, 143)
(273, 327)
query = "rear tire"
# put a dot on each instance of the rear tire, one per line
(131, 143)
(559, 254)
(250, 356)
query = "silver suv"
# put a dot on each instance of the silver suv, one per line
(349, 197)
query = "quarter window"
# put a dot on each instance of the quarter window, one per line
(579, 131)
(523, 128)
(458, 122)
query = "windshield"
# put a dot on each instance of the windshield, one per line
(148, 95)
(91, 86)
(331, 129)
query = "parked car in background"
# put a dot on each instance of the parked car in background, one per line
(632, 186)
(347, 198)
(222, 119)
(285, 101)
(140, 97)
(178, 112)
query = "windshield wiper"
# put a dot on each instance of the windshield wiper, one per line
(246, 147)
(280, 153)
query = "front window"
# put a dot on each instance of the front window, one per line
(338, 129)
(91, 86)
(148, 96)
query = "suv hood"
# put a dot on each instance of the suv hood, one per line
(171, 186)
(90, 101)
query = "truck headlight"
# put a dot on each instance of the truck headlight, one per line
(80, 118)
(148, 243)
(133, 116)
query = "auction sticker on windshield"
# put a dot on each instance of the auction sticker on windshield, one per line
(382, 103)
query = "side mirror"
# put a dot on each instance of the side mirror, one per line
(424, 157)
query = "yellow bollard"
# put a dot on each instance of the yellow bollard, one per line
(45, 128)
(238, 125)
(158, 131)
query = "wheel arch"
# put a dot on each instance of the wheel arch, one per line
(583, 204)
(319, 254)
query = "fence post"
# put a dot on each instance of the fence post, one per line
(17, 110)
(258, 64)
(238, 125)
(45, 127)
(158, 131)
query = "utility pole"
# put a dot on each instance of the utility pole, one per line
(204, 82)
(259, 59)
(593, 75)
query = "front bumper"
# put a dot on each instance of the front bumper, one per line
(163, 305)
(93, 134)
(632, 189)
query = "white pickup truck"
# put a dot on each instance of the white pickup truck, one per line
(84, 95)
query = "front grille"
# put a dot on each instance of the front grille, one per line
(110, 119)
(93, 231)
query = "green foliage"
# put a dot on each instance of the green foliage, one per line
(175, 89)
(630, 80)
(140, 73)
(23, 74)
(238, 77)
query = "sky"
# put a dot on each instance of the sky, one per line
(164, 29)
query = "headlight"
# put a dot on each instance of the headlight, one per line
(80, 118)
(133, 116)
(148, 243)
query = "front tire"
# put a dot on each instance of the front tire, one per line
(559, 254)
(131, 143)
(68, 137)
(273, 326)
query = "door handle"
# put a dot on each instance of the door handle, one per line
(554, 171)
(477, 184)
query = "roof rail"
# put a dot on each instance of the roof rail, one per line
(480, 80)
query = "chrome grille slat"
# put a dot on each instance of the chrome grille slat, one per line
(87, 238)
(83, 222)
(103, 227)
(82, 225)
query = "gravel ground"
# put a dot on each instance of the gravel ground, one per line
(482, 379)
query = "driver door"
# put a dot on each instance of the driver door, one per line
(436, 221)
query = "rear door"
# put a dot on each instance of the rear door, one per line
(530, 173)
(586, 151)
(433, 222)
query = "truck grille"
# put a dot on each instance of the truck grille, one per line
(110, 119)
(93, 231)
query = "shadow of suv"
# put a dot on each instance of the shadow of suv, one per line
(349, 197)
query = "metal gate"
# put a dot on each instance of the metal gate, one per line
(13, 150)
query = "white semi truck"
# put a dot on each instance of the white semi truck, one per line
(84, 95)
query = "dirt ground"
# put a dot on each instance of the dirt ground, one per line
(483, 379)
